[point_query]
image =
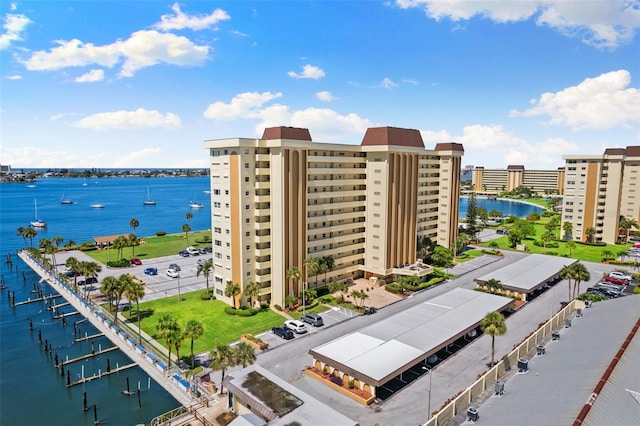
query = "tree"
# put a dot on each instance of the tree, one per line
(133, 241)
(591, 233)
(251, 291)
(311, 264)
(493, 324)
(119, 244)
(290, 300)
(222, 357)
(546, 238)
(175, 338)
(73, 265)
(188, 216)
(442, 256)
(580, 273)
(186, 228)
(232, 290)
(46, 247)
(193, 331)
(566, 273)
(108, 287)
(515, 237)
(525, 227)
(20, 233)
(69, 244)
(472, 228)
(134, 223)
(89, 270)
(606, 254)
(359, 295)
(626, 224)
(134, 292)
(244, 354)
(56, 241)
(294, 274)
(567, 227)
(328, 263)
(205, 269)
(493, 285)
(571, 245)
(30, 233)
(167, 325)
(338, 287)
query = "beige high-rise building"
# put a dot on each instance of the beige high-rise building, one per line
(284, 198)
(599, 190)
(494, 181)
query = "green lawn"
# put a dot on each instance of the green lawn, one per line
(155, 247)
(219, 327)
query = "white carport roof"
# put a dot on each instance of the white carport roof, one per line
(381, 351)
(528, 273)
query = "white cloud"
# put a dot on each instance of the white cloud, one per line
(34, 157)
(126, 120)
(14, 25)
(194, 22)
(242, 106)
(325, 96)
(601, 23)
(387, 83)
(599, 103)
(14, 77)
(308, 71)
(135, 158)
(91, 77)
(142, 49)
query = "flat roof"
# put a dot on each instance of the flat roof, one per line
(280, 402)
(381, 351)
(528, 273)
(561, 382)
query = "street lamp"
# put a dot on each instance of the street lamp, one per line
(429, 401)
(304, 309)
(179, 298)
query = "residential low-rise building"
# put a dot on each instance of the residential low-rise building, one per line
(493, 181)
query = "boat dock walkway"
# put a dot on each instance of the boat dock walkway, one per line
(87, 356)
(152, 364)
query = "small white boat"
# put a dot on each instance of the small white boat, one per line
(85, 183)
(38, 223)
(64, 199)
(149, 201)
(31, 186)
(194, 204)
(97, 206)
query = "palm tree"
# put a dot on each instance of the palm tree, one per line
(108, 287)
(193, 330)
(73, 264)
(188, 216)
(294, 274)
(133, 223)
(590, 232)
(90, 269)
(133, 241)
(20, 233)
(244, 354)
(167, 324)
(359, 295)
(30, 233)
(571, 245)
(232, 290)
(251, 290)
(69, 244)
(134, 292)
(493, 324)
(186, 228)
(567, 227)
(205, 269)
(46, 247)
(338, 286)
(124, 281)
(119, 244)
(328, 263)
(606, 254)
(626, 224)
(56, 241)
(222, 357)
(566, 273)
(547, 237)
(580, 273)
(175, 338)
(311, 264)
(493, 285)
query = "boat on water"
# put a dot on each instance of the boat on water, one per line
(97, 206)
(37, 223)
(84, 183)
(194, 204)
(64, 199)
(149, 201)
(31, 186)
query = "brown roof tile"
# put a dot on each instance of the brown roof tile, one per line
(450, 146)
(392, 136)
(283, 132)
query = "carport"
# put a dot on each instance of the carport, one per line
(527, 275)
(380, 352)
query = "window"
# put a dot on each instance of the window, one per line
(248, 261)
(246, 193)
(248, 248)
(218, 292)
(246, 207)
(216, 192)
(246, 152)
(226, 192)
(246, 179)
(217, 230)
(218, 243)
(218, 255)
(247, 234)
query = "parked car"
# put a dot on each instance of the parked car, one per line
(201, 262)
(313, 319)
(297, 326)
(175, 267)
(184, 253)
(369, 310)
(88, 280)
(193, 251)
(613, 286)
(604, 291)
(173, 273)
(136, 261)
(151, 271)
(70, 273)
(206, 250)
(615, 280)
(621, 275)
(283, 332)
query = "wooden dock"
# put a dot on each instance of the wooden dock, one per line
(54, 307)
(93, 336)
(80, 358)
(66, 315)
(26, 302)
(97, 376)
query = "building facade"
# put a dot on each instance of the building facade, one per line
(601, 189)
(283, 198)
(494, 181)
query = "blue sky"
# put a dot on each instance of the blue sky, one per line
(144, 83)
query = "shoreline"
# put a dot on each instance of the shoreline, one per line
(483, 197)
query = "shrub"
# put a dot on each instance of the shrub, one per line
(88, 246)
(161, 233)
(323, 291)
(336, 380)
(325, 369)
(278, 307)
(393, 288)
(264, 306)
(249, 312)
(326, 298)
(636, 289)
(351, 384)
(206, 295)
(230, 311)
(122, 263)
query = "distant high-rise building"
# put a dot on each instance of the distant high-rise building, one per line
(600, 190)
(282, 199)
(544, 182)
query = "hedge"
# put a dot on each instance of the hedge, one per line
(249, 312)
(393, 288)
(230, 311)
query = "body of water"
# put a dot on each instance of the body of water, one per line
(32, 392)
(507, 207)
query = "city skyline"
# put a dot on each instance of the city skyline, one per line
(143, 84)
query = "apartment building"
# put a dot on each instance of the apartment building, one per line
(499, 180)
(599, 190)
(284, 198)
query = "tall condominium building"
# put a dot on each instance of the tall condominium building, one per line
(599, 190)
(284, 198)
(499, 180)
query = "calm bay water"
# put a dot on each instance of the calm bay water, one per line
(32, 392)
(507, 207)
